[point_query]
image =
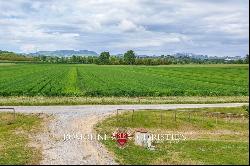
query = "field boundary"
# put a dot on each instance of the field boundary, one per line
(42, 100)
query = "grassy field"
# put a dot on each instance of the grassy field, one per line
(123, 81)
(15, 138)
(209, 139)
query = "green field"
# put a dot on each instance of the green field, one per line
(94, 80)
(210, 139)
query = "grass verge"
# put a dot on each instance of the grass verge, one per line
(15, 139)
(40, 100)
(209, 139)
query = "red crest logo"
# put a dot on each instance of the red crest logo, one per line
(121, 137)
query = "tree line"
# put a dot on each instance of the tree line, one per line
(128, 58)
(11, 56)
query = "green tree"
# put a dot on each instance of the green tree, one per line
(129, 57)
(247, 59)
(74, 59)
(104, 58)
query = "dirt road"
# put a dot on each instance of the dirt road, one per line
(81, 119)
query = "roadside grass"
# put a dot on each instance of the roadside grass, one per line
(207, 152)
(42, 100)
(15, 137)
(186, 119)
(207, 142)
(188, 152)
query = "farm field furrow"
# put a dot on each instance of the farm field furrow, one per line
(96, 80)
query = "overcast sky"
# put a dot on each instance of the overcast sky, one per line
(211, 27)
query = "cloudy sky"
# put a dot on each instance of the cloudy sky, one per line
(212, 27)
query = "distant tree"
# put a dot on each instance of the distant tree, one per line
(247, 59)
(240, 61)
(114, 60)
(104, 58)
(74, 59)
(11, 56)
(121, 61)
(43, 58)
(96, 60)
(129, 57)
(90, 59)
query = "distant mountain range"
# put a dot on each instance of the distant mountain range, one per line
(65, 53)
(178, 55)
(195, 56)
(69, 53)
(191, 55)
(203, 57)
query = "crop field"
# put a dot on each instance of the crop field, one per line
(94, 80)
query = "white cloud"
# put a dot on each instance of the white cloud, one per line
(128, 26)
(116, 25)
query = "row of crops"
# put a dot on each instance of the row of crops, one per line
(93, 80)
